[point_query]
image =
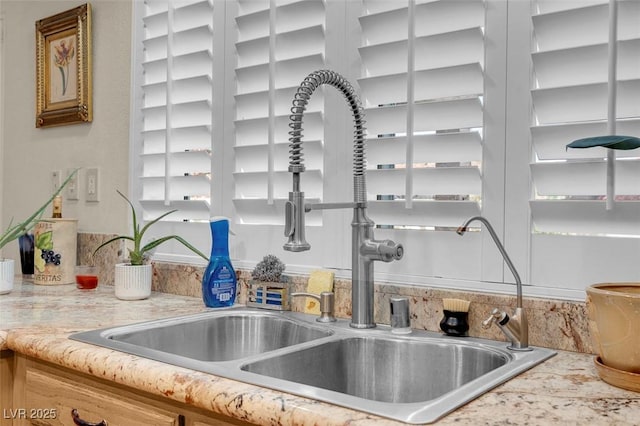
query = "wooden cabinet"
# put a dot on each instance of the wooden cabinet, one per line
(48, 395)
(6, 386)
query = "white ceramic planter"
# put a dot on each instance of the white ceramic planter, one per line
(6, 275)
(133, 282)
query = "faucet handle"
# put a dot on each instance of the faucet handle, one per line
(496, 316)
(385, 250)
(391, 250)
(327, 304)
(289, 218)
(294, 223)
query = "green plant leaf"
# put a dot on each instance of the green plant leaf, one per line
(114, 239)
(136, 255)
(612, 141)
(13, 232)
(155, 243)
(45, 241)
(144, 229)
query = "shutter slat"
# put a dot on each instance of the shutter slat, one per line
(192, 64)
(441, 83)
(192, 39)
(450, 49)
(431, 181)
(553, 6)
(254, 131)
(585, 217)
(254, 184)
(393, 21)
(440, 17)
(584, 103)
(585, 65)
(299, 14)
(299, 43)
(258, 212)
(423, 213)
(454, 114)
(187, 188)
(256, 105)
(586, 178)
(155, 71)
(253, 24)
(255, 78)
(253, 52)
(155, 48)
(550, 141)
(187, 210)
(253, 158)
(372, 7)
(187, 16)
(190, 114)
(434, 148)
(584, 26)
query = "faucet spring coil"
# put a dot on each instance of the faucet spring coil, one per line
(300, 101)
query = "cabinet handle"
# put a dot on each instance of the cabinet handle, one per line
(79, 422)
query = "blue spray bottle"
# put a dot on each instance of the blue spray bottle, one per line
(219, 280)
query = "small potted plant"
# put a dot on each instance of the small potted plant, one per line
(13, 232)
(133, 278)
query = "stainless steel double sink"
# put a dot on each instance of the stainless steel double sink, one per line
(414, 378)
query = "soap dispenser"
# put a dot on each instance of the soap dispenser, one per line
(219, 282)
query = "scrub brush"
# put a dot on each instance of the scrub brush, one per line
(456, 315)
(456, 305)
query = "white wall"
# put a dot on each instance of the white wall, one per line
(29, 154)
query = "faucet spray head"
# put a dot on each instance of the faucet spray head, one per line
(294, 223)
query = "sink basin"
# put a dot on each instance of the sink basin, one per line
(210, 336)
(415, 378)
(384, 370)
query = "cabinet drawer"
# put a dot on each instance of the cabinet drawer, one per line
(47, 394)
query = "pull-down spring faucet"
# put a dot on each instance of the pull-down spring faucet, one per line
(515, 327)
(364, 248)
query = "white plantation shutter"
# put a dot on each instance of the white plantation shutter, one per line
(445, 85)
(422, 85)
(570, 102)
(176, 92)
(575, 240)
(278, 44)
(431, 161)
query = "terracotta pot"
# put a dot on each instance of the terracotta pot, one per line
(133, 282)
(614, 317)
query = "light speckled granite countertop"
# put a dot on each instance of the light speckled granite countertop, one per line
(36, 321)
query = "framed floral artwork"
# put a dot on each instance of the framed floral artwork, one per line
(63, 68)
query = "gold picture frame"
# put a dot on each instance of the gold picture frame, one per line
(63, 68)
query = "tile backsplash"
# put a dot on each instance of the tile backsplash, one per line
(557, 324)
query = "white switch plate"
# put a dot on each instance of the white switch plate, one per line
(71, 190)
(92, 186)
(56, 180)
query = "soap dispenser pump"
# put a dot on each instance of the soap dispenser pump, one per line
(219, 282)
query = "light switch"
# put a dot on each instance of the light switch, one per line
(91, 184)
(56, 180)
(71, 190)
